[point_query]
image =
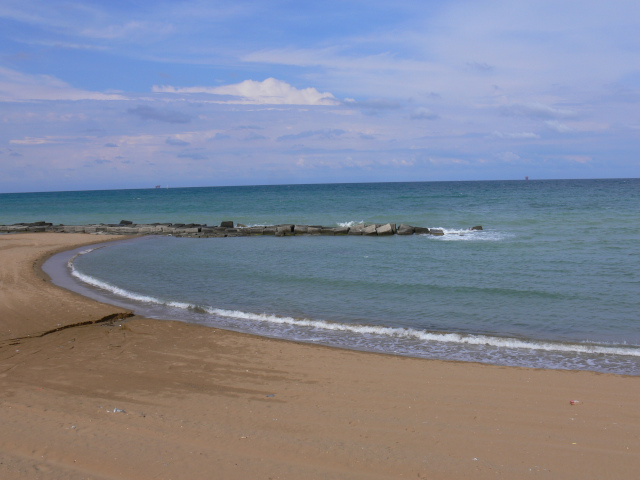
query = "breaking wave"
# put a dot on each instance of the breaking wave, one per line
(396, 333)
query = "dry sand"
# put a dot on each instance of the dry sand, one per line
(143, 399)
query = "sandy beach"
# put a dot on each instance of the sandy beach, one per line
(118, 397)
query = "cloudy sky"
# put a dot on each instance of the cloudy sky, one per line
(117, 94)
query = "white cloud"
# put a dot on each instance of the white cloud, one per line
(535, 110)
(579, 158)
(268, 92)
(557, 126)
(130, 29)
(20, 87)
(516, 135)
(402, 163)
(422, 113)
(335, 59)
(447, 161)
(33, 141)
(508, 156)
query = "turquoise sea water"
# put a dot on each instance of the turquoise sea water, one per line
(552, 281)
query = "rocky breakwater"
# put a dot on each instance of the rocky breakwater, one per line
(225, 229)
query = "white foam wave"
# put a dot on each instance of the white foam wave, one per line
(428, 336)
(104, 285)
(392, 332)
(350, 224)
(466, 235)
(111, 288)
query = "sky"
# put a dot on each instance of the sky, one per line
(113, 94)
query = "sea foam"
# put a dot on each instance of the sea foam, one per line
(397, 333)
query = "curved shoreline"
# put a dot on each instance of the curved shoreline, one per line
(402, 340)
(28, 293)
(173, 400)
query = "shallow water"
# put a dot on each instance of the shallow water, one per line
(551, 282)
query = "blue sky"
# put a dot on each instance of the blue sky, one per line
(120, 94)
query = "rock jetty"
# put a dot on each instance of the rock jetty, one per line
(225, 229)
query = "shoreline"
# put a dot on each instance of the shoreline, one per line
(396, 339)
(174, 400)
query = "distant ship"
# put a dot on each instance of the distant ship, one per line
(158, 186)
(526, 178)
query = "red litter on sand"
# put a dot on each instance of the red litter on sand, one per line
(574, 402)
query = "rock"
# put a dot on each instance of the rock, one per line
(386, 229)
(227, 224)
(126, 227)
(357, 229)
(213, 231)
(405, 229)
(235, 232)
(370, 230)
(286, 230)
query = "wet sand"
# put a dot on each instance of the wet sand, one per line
(139, 399)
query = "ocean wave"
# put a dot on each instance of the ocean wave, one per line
(409, 333)
(105, 285)
(366, 330)
(466, 235)
(350, 224)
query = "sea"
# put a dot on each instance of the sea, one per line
(552, 281)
